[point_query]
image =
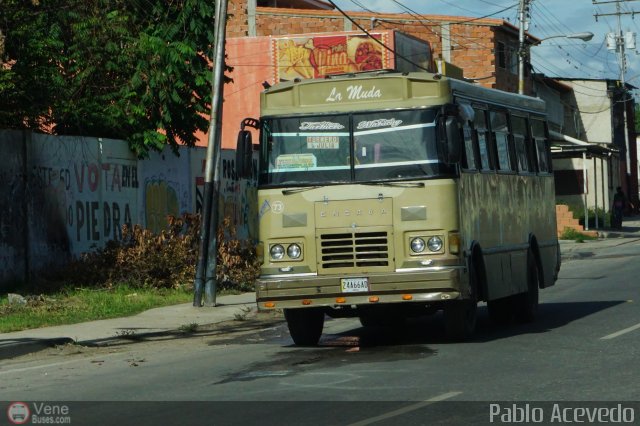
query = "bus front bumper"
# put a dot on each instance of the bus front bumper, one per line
(433, 285)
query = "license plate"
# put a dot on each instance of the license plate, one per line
(354, 285)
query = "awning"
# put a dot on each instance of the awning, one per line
(561, 137)
(564, 146)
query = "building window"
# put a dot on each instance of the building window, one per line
(502, 56)
(513, 60)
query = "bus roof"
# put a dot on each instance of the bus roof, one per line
(381, 90)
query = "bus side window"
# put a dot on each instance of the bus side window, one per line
(521, 143)
(469, 161)
(482, 135)
(500, 133)
(541, 146)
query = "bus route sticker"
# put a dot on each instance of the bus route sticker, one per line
(293, 162)
(277, 207)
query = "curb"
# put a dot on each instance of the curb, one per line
(13, 349)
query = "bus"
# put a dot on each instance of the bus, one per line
(388, 195)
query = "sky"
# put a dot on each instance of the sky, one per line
(557, 57)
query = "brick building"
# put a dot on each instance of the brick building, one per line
(486, 49)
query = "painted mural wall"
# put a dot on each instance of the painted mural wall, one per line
(63, 196)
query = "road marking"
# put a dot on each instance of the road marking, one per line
(406, 409)
(621, 332)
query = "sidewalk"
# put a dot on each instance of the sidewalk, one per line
(154, 321)
(570, 249)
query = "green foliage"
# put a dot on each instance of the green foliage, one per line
(604, 218)
(166, 260)
(127, 69)
(572, 234)
(72, 305)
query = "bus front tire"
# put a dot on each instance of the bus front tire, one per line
(527, 303)
(460, 316)
(305, 325)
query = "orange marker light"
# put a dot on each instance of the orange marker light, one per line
(407, 297)
(374, 299)
(306, 302)
(341, 300)
(269, 305)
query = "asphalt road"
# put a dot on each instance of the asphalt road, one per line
(583, 347)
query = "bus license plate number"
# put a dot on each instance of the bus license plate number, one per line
(354, 285)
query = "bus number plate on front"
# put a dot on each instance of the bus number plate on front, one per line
(354, 285)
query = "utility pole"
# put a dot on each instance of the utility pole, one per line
(207, 260)
(619, 41)
(523, 15)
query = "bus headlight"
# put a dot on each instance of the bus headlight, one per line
(294, 251)
(417, 245)
(435, 243)
(277, 252)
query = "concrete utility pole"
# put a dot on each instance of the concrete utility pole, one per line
(523, 15)
(619, 42)
(207, 260)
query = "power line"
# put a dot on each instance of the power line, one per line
(375, 39)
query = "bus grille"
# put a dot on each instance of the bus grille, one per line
(354, 250)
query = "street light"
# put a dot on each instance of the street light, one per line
(585, 36)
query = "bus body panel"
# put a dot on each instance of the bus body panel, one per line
(313, 217)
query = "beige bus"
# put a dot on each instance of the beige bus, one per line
(388, 195)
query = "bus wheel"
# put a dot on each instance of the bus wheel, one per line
(460, 315)
(527, 303)
(500, 310)
(305, 325)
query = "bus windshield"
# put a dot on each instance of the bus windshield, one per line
(359, 147)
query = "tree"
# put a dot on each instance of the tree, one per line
(128, 69)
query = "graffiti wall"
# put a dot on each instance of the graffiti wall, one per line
(63, 196)
(81, 192)
(168, 186)
(13, 235)
(238, 197)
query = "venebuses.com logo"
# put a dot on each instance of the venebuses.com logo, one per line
(18, 413)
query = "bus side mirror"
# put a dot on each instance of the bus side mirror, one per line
(453, 143)
(244, 153)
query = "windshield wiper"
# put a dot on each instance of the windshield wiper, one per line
(397, 184)
(297, 190)
(388, 184)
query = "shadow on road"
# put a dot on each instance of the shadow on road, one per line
(413, 340)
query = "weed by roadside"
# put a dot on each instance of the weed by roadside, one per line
(166, 260)
(577, 236)
(188, 328)
(73, 305)
(242, 315)
(142, 271)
